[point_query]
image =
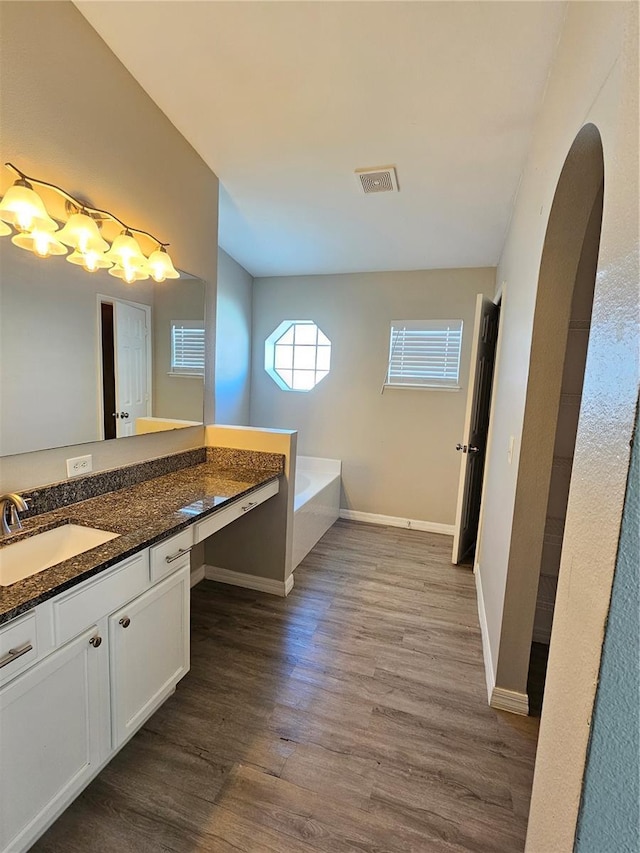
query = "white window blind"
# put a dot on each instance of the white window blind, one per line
(187, 347)
(424, 353)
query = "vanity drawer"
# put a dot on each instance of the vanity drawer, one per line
(225, 516)
(18, 646)
(170, 555)
(84, 605)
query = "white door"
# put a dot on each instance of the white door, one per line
(131, 347)
(52, 737)
(149, 652)
(476, 426)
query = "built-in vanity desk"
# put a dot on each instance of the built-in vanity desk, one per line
(89, 648)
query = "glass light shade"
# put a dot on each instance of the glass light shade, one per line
(81, 233)
(128, 273)
(126, 252)
(161, 266)
(91, 261)
(23, 208)
(41, 243)
(4, 229)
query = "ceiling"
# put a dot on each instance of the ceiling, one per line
(284, 100)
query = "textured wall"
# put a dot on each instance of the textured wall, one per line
(594, 79)
(609, 814)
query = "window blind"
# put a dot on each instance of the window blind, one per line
(425, 353)
(187, 346)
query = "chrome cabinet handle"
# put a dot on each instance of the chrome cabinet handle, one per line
(177, 556)
(124, 414)
(249, 506)
(473, 449)
(14, 654)
(462, 447)
(125, 622)
(95, 642)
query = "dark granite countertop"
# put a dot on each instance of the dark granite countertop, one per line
(142, 515)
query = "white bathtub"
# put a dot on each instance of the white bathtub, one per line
(316, 503)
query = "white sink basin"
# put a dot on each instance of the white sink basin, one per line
(31, 555)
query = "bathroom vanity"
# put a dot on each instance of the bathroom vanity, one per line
(90, 647)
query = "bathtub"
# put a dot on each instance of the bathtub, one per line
(316, 504)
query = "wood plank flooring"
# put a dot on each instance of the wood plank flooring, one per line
(351, 716)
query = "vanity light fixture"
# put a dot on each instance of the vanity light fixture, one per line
(160, 265)
(41, 243)
(81, 233)
(23, 209)
(90, 260)
(128, 273)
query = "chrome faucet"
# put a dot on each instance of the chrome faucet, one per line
(11, 505)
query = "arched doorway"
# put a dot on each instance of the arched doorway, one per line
(556, 371)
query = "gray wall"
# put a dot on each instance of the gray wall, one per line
(175, 396)
(233, 342)
(609, 815)
(125, 156)
(397, 449)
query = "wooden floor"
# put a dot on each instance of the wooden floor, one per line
(351, 716)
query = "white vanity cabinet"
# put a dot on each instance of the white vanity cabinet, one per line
(80, 674)
(148, 652)
(53, 736)
(93, 683)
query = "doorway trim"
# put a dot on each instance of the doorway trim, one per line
(112, 300)
(500, 300)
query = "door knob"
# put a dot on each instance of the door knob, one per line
(125, 622)
(115, 415)
(473, 449)
(462, 447)
(124, 414)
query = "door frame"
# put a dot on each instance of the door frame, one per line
(499, 300)
(112, 300)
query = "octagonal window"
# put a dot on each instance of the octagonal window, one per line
(297, 355)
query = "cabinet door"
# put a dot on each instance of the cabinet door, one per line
(52, 729)
(149, 652)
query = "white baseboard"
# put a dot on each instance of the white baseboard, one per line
(484, 633)
(396, 521)
(274, 587)
(499, 697)
(510, 700)
(197, 575)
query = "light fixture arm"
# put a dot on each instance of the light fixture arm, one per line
(81, 206)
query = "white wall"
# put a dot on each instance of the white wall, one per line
(73, 115)
(594, 79)
(233, 342)
(397, 449)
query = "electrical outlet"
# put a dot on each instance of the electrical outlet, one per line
(79, 465)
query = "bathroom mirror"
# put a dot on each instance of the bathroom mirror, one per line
(85, 356)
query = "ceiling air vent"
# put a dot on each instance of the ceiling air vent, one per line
(381, 179)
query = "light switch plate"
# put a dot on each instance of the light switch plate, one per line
(79, 465)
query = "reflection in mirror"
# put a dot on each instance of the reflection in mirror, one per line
(84, 357)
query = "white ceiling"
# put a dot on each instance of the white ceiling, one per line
(284, 100)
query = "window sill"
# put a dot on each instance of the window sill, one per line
(422, 387)
(185, 375)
